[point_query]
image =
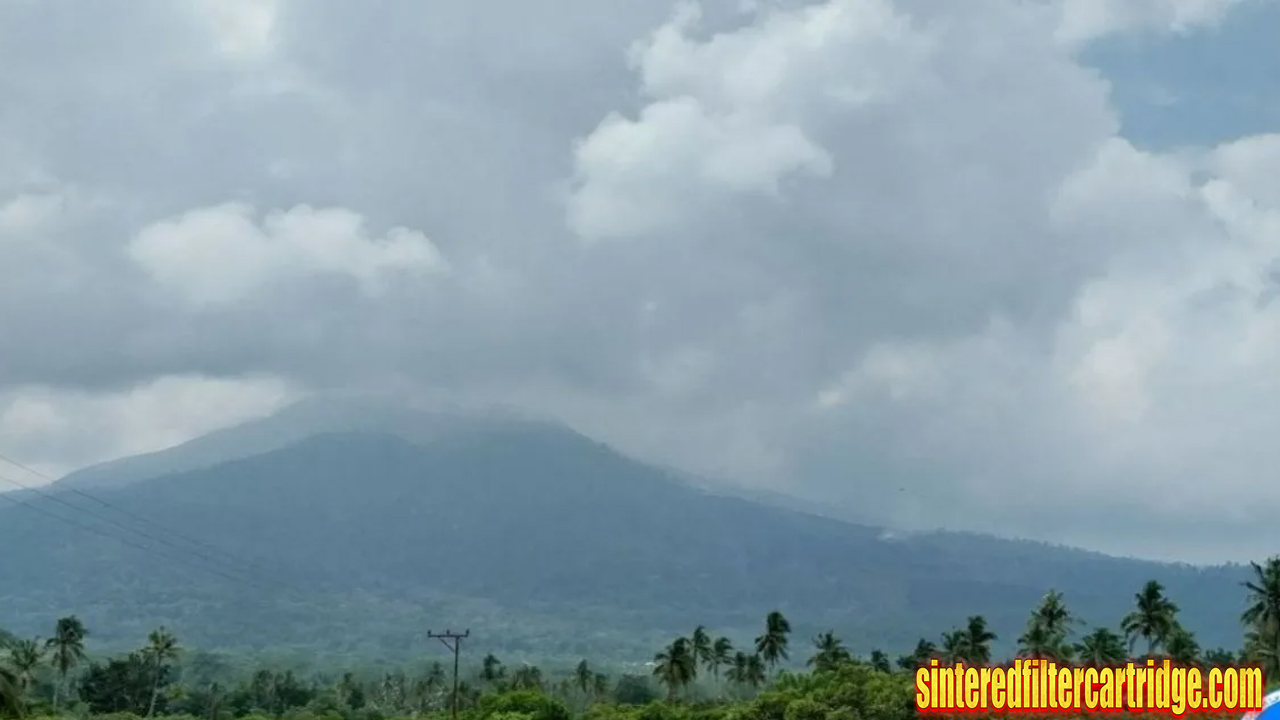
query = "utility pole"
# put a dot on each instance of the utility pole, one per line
(453, 641)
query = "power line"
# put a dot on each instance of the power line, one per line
(250, 574)
(264, 582)
(99, 531)
(54, 498)
(126, 513)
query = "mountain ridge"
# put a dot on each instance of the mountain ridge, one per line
(544, 537)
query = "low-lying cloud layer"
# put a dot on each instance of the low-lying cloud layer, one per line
(895, 255)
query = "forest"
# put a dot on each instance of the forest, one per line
(700, 676)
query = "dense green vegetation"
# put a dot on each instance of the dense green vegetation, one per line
(698, 676)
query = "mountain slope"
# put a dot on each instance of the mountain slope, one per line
(542, 541)
(293, 424)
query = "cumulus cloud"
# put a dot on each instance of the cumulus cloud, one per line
(66, 427)
(221, 255)
(898, 256)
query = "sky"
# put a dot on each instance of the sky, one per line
(1005, 266)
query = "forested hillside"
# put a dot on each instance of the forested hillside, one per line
(352, 544)
(700, 674)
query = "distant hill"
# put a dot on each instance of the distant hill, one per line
(359, 537)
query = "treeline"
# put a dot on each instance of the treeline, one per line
(696, 676)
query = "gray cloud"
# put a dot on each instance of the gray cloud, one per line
(902, 262)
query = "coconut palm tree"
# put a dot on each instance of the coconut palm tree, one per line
(1182, 647)
(675, 667)
(972, 643)
(1260, 646)
(1101, 648)
(880, 661)
(161, 648)
(1153, 617)
(700, 646)
(953, 645)
(583, 677)
(11, 703)
(920, 656)
(1038, 643)
(721, 655)
(830, 652)
(747, 670)
(772, 645)
(1220, 658)
(527, 677)
(491, 670)
(1048, 629)
(351, 693)
(737, 672)
(1053, 614)
(755, 671)
(67, 646)
(24, 659)
(1262, 615)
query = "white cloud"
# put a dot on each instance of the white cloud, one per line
(1083, 20)
(27, 213)
(243, 28)
(727, 114)
(1155, 391)
(54, 430)
(220, 255)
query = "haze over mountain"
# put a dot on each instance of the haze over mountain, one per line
(298, 421)
(353, 528)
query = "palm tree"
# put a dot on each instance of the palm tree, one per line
(491, 670)
(25, 657)
(1101, 648)
(350, 692)
(738, 669)
(953, 645)
(700, 647)
(1054, 615)
(213, 697)
(675, 667)
(435, 675)
(1038, 643)
(583, 677)
(1260, 647)
(772, 645)
(880, 661)
(11, 705)
(755, 671)
(1048, 629)
(721, 655)
(972, 643)
(1182, 646)
(527, 677)
(67, 645)
(1262, 615)
(1153, 618)
(924, 651)
(1220, 658)
(161, 647)
(830, 652)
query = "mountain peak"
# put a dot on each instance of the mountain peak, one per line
(315, 415)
